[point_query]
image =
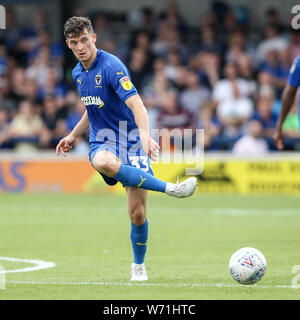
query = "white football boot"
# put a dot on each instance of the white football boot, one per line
(182, 190)
(138, 272)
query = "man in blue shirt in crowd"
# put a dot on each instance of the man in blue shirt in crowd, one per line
(288, 98)
(120, 141)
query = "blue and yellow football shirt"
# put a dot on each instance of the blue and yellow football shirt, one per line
(104, 88)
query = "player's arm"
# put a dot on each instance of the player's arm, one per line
(136, 105)
(65, 144)
(288, 98)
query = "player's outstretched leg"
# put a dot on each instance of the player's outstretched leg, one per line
(139, 231)
(108, 164)
(135, 177)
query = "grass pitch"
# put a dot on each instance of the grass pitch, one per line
(190, 244)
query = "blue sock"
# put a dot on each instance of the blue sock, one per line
(139, 237)
(134, 177)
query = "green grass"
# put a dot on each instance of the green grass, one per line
(190, 243)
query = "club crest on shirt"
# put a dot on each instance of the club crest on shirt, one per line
(126, 83)
(98, 79)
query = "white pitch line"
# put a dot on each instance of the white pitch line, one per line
(130, 284)
(219, 212)
(83, 208)
(39, 265)
(253, 212)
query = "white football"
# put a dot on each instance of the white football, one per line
(247, 265)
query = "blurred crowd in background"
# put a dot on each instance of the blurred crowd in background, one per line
(225, 76)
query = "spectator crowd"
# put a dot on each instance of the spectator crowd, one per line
(225, 76)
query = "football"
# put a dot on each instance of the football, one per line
(247, 265)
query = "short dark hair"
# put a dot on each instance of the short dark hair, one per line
(74, 26)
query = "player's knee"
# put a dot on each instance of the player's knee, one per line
(108, 166)
(138, 216)
(104, 164)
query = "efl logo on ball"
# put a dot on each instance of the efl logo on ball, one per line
(247, 265)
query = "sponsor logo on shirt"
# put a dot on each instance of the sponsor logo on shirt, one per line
(92, 100)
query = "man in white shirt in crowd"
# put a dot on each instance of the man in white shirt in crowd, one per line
(252, 143)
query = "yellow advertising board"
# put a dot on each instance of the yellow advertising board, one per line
(220, 175)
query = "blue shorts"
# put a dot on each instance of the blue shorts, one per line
(137, 159)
